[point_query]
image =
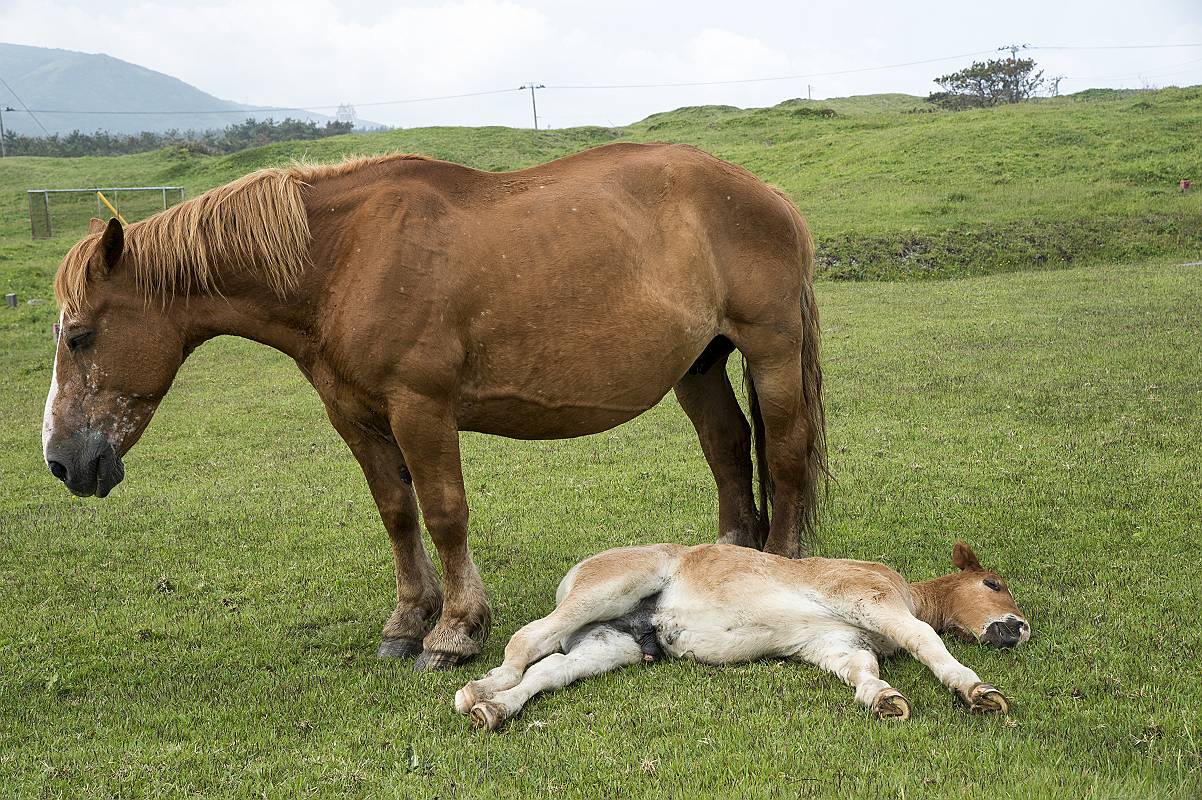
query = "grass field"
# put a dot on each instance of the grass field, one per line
(210, 628)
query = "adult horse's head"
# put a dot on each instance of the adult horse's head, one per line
(134, 303)
(115, 358)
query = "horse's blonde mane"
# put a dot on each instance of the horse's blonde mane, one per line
(256, 224)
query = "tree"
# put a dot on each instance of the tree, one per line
(989, 83)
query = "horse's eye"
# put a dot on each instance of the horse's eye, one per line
(992, 584)
(80, 339)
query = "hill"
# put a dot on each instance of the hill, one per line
(54, 79)
(891, 188)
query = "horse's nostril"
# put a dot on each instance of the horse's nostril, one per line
(58, 470)
(1003, 634)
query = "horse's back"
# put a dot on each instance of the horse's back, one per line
(563, 299)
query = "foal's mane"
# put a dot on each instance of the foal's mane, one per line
(255, 224)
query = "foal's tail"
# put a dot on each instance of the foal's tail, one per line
(815, 474)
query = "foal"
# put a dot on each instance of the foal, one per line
(722, 604)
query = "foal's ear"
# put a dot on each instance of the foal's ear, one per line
(96, 226)
(109, 248)
(964, 558)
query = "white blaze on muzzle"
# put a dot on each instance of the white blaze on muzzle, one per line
(48, 414)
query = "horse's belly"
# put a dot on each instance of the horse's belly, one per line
(554, 390)
(540, 416)
(777, 623)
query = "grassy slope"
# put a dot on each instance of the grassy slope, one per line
(1050, 418)
(888, 193)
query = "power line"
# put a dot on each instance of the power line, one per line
(532, 87)
(22, 102)
(1109, 46)
(774, 78)
(279, 108)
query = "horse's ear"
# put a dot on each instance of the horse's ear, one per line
(96, 226)
(964, 558)
(109, 248)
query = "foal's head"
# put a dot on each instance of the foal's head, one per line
(977, 604)
(115, 358)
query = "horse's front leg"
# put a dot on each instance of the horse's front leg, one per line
(418, 598)
(429, 439)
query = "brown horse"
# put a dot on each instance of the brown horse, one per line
(423, 298)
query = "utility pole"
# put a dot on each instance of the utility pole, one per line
(3, 144)
(809, 92)
(533, 103)
(1014, 48)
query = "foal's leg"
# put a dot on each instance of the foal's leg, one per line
(418, 598)
(601, 650)
(920, 640)
(709, 401)
(429, 439)
(857, 667)
(606, 586)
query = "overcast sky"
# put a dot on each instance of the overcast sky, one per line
(315, 53)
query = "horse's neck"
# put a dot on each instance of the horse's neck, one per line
(246, 309)
(930, 601)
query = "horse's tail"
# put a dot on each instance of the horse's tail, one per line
(815, 473)
(761, 457)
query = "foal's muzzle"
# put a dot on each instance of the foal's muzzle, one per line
(1008, 632)
(87, 464)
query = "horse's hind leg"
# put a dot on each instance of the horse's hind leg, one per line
(601, 649)
(790, 442)
(605, 587)
(709, 401)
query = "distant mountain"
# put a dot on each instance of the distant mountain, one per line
(67, 81)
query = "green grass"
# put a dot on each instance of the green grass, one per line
(1049, 418)
(210, 628)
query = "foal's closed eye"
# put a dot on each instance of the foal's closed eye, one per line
(992, 584)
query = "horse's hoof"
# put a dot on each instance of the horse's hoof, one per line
(984, 698)
(433, 661)
(890, 704)
(487, 715)
(465, 698)
(399, 647)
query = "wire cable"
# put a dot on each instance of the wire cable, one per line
(664, 85)
(22, 102)
(774, 78)
(285, 108)
(1106, 46)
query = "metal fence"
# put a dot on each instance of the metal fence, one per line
(57, 212)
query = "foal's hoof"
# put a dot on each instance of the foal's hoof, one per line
(889, 704)
(399, 647)
(434, 661)
(984, 698)
(488, 715)
(465, 698)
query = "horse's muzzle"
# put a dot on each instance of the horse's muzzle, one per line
(88, 465)
(1006, 632)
